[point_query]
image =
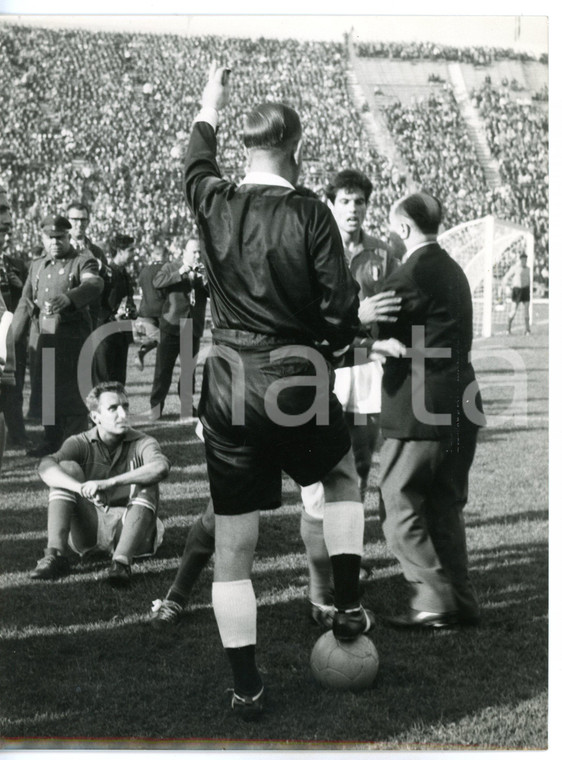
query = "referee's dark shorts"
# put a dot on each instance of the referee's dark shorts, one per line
(521, 295)
(250, 407)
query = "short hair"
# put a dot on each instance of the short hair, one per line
(79, 206)
(272, 126)
(349, 179)
(423, 209)
(109, 386)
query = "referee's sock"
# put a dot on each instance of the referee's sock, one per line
(319, 565)
(235, 608)
(199, 548)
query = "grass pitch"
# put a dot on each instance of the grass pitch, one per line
(81, 667)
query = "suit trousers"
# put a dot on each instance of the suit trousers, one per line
(424, 488)
(166, 356)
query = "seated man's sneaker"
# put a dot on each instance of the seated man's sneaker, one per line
(322, 614)
(166, 613)
(349, 624)
(248, 708)
(52, 566)
(119, 574)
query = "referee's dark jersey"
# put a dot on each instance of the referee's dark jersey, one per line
(273, 256)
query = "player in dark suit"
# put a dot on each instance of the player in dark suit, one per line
(279, 285)
(431, 411)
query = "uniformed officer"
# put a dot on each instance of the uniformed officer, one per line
(58, 290)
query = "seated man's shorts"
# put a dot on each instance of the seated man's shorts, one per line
(112, 519)
(260, 418)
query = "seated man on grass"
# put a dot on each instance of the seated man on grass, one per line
(103, 491)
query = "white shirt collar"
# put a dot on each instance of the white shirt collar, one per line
(265, 178)
(416, 248)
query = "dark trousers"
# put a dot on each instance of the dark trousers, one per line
(13, 397)
(63, 428)
(424, 488)
(110, 359)
(166, 355)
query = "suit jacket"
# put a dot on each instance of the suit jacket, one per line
(183, 299)
(436, 300)
(152, 299)
(273, 255)
(11, 292)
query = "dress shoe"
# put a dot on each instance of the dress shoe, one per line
(417, 619)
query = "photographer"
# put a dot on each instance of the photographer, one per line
(117, 302)
(185, 286)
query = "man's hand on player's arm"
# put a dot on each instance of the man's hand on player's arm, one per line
(390, 347)
(217, 90)
(383, 307)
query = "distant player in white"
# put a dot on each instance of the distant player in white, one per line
(518, 278)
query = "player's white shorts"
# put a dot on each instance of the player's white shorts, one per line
(358, 388)
(108, 526)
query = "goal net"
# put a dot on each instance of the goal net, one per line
(486, 249)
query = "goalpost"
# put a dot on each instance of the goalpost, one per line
(486, 248)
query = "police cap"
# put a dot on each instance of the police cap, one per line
(55, 225)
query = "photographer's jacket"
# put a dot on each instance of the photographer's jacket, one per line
(184, 299)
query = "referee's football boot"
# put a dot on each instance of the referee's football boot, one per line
(349, 624)
(50, 567)
(248, 708)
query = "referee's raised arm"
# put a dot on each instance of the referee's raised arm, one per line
(201, 153)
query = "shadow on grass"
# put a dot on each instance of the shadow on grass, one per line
(127, 681)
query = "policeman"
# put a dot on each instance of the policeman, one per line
(58, 290)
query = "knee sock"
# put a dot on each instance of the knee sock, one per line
(343, 532)
(62, 504)
(235, 608)
(319, 565)
(199, 548)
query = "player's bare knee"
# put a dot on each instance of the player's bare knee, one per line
(73, 469)
(341, 482)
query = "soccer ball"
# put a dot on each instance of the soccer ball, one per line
(344, 665)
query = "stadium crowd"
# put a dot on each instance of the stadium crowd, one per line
(518, 137)
(411, 51)
(433, 139)
(113, 132)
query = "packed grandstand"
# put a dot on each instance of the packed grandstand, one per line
(104, 116)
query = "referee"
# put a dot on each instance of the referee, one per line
(279, 286)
